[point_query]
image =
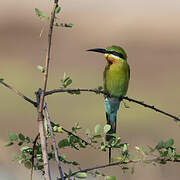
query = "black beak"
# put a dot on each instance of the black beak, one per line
(98, 50)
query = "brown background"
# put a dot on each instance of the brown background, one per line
(149, 32)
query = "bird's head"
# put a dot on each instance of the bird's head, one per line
(113, 54)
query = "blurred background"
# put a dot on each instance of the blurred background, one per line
(147, 30)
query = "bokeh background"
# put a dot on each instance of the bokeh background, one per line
(148, 31)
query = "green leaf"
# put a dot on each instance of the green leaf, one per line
(63, 143)
(28, 164)
(12, 136)
(110, 178)
(97, 129)
(25, 148)
(160, 145)
(107, 127)
(81, 175)
(21, 137)
(69, 81)
(100, 88)
(88, 132)
(40, 13)
(70, 25)
(40, 68)
(59, 129)
(1, 79)
(27, 139)
(8, 143)
(169, 143)
(57, 10)
(20, 143)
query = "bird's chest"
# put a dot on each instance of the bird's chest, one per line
(115, 79)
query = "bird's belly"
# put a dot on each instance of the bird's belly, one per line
(116, 81)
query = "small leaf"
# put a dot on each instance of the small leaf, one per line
(21, 137)
(68, 82)
(57, 10)
(28, 164)
(160, 145)
(40, 68)
(40, 13)
(100, 88)
(25, 148)
(97, 129)
(63, 143)
(88, 132)
(169, 143)
(110, 178)
(12, 137)
(107, 127)
(55, 128)
(8, 143)
(27, 139)
(59, 129)
(70, 25)
(1, 79)
(81, 175)
(20, 143)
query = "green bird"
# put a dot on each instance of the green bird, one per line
(116, 81)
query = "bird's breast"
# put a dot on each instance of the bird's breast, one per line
(116, 78)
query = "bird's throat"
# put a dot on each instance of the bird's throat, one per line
(110, 59)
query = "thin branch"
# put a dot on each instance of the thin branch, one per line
(53, 142)
(19, 93)
(157, 159)
(33, 156)
(105, 93)
(151, 107)
(69, 132)
(40, 107)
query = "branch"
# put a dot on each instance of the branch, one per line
(69, 132)
(19, 93)
(107, 94)
(53, 142)
(40, 107)
(157, 159)
(33, 149)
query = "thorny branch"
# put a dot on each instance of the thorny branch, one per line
(106, 93)
(156, 159)
(47, 93)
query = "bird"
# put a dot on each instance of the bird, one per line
(116, 78)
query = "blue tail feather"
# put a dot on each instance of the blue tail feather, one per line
(111, 107)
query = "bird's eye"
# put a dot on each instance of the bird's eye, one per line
(118, 54)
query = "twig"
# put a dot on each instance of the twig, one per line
(40, 107)
(151, 107)
(32, 158)
(19, 93)
(69, 132)
(106, 93)
(157, 159)
(53, 142)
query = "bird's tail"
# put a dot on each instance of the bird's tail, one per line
(113, 126)
(111, 107)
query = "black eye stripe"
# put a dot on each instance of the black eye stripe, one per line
(116, 54)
